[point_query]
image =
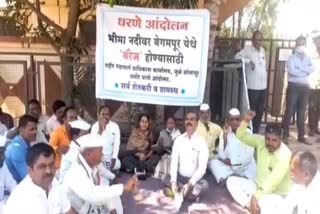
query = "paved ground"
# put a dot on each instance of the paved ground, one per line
(150, 200)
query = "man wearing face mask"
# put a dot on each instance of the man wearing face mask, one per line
(254, 57)
(7, 183)
(300, 67)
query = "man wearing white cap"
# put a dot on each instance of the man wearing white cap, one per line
(110, 133)
(78, 128)
(208, 130)
(83, 186)
(234, 157)
(7, 183)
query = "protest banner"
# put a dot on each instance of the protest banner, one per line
(155, 56)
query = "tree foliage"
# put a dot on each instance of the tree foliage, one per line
(258, 15)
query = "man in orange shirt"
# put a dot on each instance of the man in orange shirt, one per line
(60, 138)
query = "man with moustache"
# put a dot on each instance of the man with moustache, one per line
(234, 157)
(83, 182)
(39, 192)
(273, 179)
(207, 129)
(189, 160)
(17, 150)
(109, 131)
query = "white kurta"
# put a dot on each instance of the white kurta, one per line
(238, 153)
(86, 194)
(27, 197)
(7, 182)
(71, 156)
(242, 189)
(111, 139)
(305, 198)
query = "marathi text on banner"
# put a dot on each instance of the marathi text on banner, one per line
(151, 56)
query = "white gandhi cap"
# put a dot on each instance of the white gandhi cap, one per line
(80, 124)
(90, 141)
(204, 107)
(234, 112)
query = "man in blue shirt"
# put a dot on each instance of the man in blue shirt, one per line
(300, 67)
(15, 155)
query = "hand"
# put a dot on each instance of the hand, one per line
(131, 184)
(112, 163)
(174, 187)
(186, 189)
(63, 149)
(249, 116)
(254, 207)
(226, 161)
(141, 156)
(114, 181)
(102, 126)
(253, 66)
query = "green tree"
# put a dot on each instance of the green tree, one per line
(64, 39)
(258, 15)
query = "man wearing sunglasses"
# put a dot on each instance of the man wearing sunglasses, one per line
(234, 157)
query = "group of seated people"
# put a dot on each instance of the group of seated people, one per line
(75, 169)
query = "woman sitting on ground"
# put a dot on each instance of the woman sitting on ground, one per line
(140, 158)
(163, 147)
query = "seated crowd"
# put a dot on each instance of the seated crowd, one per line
(40, 159)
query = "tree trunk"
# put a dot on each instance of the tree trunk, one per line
(67, 79)
(67, 61)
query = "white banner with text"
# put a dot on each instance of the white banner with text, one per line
(155, 56)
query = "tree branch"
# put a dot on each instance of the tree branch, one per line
(43, 31)
(43, 17)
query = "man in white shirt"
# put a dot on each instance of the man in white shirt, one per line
(256, 75)
(78, 128)
(234, 157)
(83, 185)
(7, 182)
(110, 133)
(305, 192)
(300, 67)
(39, 192)
(189, 162)
(56, 118)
